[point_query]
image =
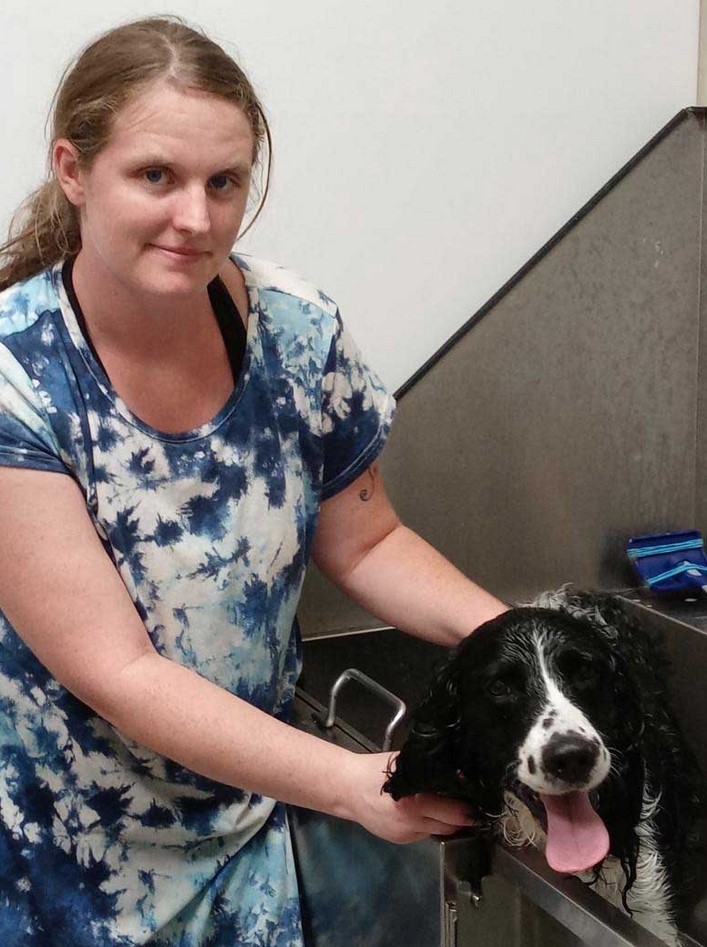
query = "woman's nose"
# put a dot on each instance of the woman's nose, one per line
(191, 213)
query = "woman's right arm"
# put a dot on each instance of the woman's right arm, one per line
(67, 601)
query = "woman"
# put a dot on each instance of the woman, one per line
(180, 431)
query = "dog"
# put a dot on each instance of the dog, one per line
(553, 723)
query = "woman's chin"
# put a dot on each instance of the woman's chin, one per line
(175, 279)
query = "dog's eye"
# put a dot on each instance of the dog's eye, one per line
(502, 688)
(578, 668)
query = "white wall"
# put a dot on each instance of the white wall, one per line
(423, 150)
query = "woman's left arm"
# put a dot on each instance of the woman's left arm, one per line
(362, 546)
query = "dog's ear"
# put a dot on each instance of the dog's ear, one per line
(642, 662)
(427, 761)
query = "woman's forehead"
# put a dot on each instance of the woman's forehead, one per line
(169, 120)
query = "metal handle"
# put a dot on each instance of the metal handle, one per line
(352, 674)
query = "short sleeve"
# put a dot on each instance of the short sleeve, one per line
(357, 412)
(26, 436)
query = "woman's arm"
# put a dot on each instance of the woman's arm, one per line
(65, 598)
(362, 546)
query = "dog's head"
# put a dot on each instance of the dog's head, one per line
(542, 705)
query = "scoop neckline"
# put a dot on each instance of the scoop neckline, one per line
(104, 383)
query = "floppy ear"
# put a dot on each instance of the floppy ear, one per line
(428, 761)
(657, 742)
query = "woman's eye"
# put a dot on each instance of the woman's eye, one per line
(222, 183)
(154, 175)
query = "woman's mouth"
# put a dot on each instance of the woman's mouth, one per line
(185, 254)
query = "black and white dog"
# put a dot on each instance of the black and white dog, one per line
(553, 722)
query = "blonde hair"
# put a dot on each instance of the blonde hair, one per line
(109, 72)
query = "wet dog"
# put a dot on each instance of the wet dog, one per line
(553, 722)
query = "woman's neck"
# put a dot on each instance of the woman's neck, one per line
(119, 317)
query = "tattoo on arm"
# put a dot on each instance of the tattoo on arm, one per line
(366, 494)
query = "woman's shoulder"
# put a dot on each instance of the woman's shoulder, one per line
(23, 303)
(269, 277)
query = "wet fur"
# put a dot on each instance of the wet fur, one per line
(470, 738)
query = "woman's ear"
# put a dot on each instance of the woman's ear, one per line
(428, 759)
(68, 172)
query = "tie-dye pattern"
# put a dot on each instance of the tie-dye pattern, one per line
(103, 842)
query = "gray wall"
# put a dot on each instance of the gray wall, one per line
(568, 415)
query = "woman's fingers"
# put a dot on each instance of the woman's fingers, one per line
(441, 816)
(410, 819)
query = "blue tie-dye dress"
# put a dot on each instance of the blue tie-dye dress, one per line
(103, 842)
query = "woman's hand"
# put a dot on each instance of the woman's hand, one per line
(407, 820)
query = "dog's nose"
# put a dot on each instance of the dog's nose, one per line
(569, 757)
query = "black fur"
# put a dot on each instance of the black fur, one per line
(465, 736)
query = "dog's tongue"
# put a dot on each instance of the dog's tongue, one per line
(577, 838)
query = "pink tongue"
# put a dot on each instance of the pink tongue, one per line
(577, 839)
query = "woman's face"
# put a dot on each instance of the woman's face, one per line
(162, 204)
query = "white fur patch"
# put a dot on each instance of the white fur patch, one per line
(564, 717)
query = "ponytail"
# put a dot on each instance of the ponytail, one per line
(44, 230)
